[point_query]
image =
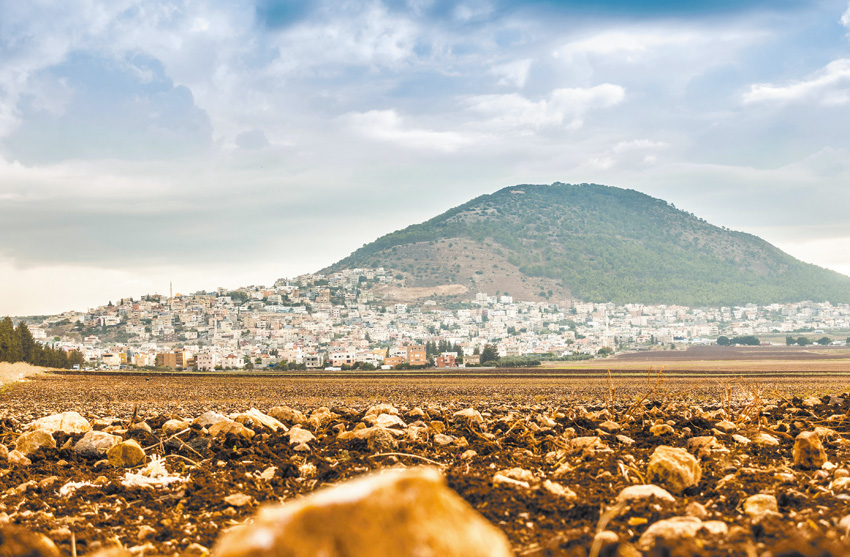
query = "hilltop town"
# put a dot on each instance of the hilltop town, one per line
(344, 320)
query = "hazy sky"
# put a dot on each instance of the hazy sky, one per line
(232, 143)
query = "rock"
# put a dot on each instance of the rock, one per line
(209, 418)
(4, 452)
(587, 445)
(380, 440)
(559, 490)
(195, 550)
(705, 446)
(16, 541)
(741, 440)
(660, 430)
(298, 436)
(140, 426)
(385, 420)
(837, 485)
(442, 440)
(258, 420)
(145, 532)
(468, 454)
(126, 454)
(174, 426)
(383, 408)
(696, 509)
(606, 537)
(320, 417)
(726, 426)
(17, 457)
(759, 506)
(66, 422)
(638, 492)
(470, 415)
(31, 441)
(716, 528)
(674, 468)
(808, 451)
(670, 530)
(610, 427)
(402, 513)
(238, 500)
(765, 440)
(520, 474)
(95, 444)
(228, 427)
(416, 413)
(287, 415)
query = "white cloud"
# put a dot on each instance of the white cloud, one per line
(563, 107)
(639, 145)
(829, 87)
(845, 19)
(628, 43)
(387, 125)
(513, 73)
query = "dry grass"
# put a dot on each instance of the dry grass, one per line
(9, 373)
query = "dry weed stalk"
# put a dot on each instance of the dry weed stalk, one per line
(653, 388)
(609, 398)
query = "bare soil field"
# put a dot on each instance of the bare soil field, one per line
(728, 359)
(545, 458)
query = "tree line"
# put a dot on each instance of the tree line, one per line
(18, 345)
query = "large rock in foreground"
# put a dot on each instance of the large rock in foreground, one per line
(394, 514)
(674, 468)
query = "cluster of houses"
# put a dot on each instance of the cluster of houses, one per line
(342, 319)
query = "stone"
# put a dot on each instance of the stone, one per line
(501, 479)
(605, 537)
(765, 440)
(705, 446)
(696, 509)
(388, 420)
(382, 408)
(320, 417)
(17, 457)
(716, 528)
(380, 440)
(172, 427)
(299, 436)
(808, 451)
(66, 422)
(648, 491)
(145, 532)
(674, 468)
(468, 454)
(31, 441)
(16, 541)
(126, 454)
(287, 415)
(625, 440)
(443, 440)
(588, 445)
(236, 429)
(726, 426)
(95, 444)
(610, 427)
(660, 430)
(401, 513)
(470, 415)
(209, 418)
(559, 490)
(838, 485)
(140, 426)
(195, 550)
(238, 500)
(758, 506)
(258, 420)
(741, 440)
(670, 530)
(4, 452)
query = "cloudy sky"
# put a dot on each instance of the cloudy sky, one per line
(232, 143)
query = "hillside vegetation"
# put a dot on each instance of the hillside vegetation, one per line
(596, 243)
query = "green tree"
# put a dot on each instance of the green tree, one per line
(824, 341)
(723, 341)
(489, 354)
(789, 340)
(804, 341)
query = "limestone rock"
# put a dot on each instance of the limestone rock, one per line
(140, 426)
(586, 445)
(636, 492)
(257, 420)
(298, 436)
(287, 415)
(385, 420)
(726, 426)
(670, 530)
(66, 422)
(231, 428)
(31, 441)
(4, 452)
(17, 457)
(559, 490)
(758, 506)
(321, 416)
(443, 440)
(16, 541)
(610, 427)
(95, 444)
(660, 430)
(470, 415)
(808, 450)
(674, 468)
(765, 440)
(380, 439)
(126, 454)
(238, 500)
(209, 418)
(741, 440)
(383, 408)
(401, 513)
(174, 426)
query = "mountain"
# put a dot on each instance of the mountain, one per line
(593, 243)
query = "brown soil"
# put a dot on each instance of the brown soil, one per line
(514, 434)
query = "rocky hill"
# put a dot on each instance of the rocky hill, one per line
(594, 243)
